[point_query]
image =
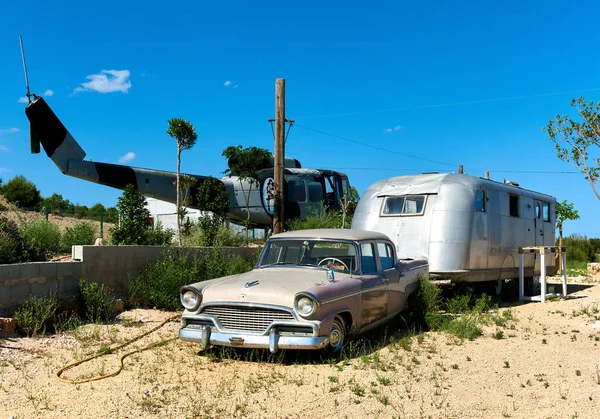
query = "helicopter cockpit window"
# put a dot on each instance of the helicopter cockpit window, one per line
(315, 191)
(297, 191)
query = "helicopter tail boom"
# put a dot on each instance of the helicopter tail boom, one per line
(58, 143)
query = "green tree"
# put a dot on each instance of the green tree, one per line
(185, 136)
(56, 204)
(21, 192)
(212, 197)
(244, 163)
(564, 211)
(133, 218)
(94, 212)
(578, 142)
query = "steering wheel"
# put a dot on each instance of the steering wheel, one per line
(335, 260)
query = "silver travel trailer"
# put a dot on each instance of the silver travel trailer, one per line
(469, 228)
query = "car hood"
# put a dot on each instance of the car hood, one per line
(276, 286)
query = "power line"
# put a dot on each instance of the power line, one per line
(448, 171)
(442, 105)
(372, 146)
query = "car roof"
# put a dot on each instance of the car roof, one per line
(332, 233)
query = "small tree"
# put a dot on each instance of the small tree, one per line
(579, 142)
(133, 218)
(21, 192)
(564, 211)
(244, 163)
(185, 136)
(348, 204)
(212, 197)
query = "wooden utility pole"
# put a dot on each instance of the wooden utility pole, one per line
(279, 214)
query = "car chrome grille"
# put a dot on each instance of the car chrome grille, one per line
(254, 319)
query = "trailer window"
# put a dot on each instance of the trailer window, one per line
(546, 211)
(480, 201)
(403, 205)
(514, 205)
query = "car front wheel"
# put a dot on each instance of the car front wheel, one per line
(337, 335)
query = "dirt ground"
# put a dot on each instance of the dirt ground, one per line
(546, 364)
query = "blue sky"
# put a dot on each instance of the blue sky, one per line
(369, 72)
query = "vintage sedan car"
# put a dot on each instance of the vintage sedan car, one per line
(310, 289)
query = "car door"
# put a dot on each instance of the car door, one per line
(374, 287)
(388, 265)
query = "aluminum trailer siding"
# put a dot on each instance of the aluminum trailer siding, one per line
(469, 228)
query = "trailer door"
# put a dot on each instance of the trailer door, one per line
(538, 224)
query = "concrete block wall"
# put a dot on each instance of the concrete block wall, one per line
(19, 281)
(113, 266)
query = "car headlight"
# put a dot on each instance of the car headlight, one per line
(190, 299)
(305, 306)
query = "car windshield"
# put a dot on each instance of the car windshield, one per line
(337, 255)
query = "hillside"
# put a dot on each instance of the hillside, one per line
(15, 214)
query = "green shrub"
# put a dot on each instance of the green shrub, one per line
(579, 248)
(99, 303)
(318, 218)
(459, 304)
(158, 236)
(82, 233)
(47, 235)
(13, 248)
(9, 248)
(159, 282)
(465, 327)
(423, 306)
(37, 315)
(222, 235)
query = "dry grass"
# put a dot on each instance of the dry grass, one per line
(427, 375)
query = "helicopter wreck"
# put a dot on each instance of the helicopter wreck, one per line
(304, 188)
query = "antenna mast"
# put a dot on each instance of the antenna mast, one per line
(29, 94)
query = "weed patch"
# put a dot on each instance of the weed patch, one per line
(37, 315)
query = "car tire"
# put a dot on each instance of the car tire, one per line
(337, 336)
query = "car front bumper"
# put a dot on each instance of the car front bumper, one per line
(207, 335)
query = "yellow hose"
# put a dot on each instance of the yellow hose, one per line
(111, 350)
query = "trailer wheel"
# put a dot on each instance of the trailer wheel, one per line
(498, 287)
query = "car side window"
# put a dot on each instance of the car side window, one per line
(367, 258)
(386, 256)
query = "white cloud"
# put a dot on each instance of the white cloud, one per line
(227, 83)
(48, 92)
(107, 81)
(396, 128)
(23, 99)
(127, 157)
(9, 131)
(3, 148)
